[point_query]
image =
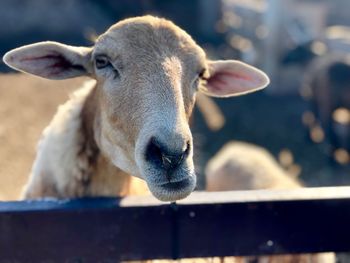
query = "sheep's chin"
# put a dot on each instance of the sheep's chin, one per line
(173, 191)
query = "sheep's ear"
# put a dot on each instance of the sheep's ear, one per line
(50, 60)
(233, 78)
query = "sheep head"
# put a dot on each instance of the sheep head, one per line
(148, 72)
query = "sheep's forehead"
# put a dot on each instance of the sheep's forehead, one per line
(146, 39)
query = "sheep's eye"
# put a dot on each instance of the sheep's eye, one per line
(202, 74)
(102, 62)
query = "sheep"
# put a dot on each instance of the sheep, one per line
(244, 166)
(327, 81)
(326, 86)
(131, 120)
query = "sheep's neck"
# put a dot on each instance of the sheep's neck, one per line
(111, 181)
(103, 178)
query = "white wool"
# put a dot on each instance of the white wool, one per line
(243, 166)
(56, 160)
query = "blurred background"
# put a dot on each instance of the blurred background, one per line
(302, 118)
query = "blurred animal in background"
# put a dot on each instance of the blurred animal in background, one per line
(245, 166)
(326, 86)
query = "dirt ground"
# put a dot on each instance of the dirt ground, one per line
(27, 104)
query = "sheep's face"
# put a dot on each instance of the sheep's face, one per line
(148, 79)
(147, 71)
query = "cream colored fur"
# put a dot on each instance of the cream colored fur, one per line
(59, 170)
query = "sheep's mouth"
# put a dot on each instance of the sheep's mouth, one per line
(173, 191)
(173, 186)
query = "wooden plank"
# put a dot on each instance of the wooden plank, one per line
(76, 231)
(204, 225)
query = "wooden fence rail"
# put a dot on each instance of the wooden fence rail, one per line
(203, 225)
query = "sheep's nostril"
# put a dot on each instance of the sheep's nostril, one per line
(154, 153)
(161, 157)
(170, 162)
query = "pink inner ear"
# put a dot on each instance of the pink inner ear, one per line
(227, 81)
(51, 64)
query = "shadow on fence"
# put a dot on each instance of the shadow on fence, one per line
(204, 225)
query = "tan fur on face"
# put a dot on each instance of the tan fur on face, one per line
(154, 94)
(171, 51)
(112, 123)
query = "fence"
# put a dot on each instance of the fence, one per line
(204, 225)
